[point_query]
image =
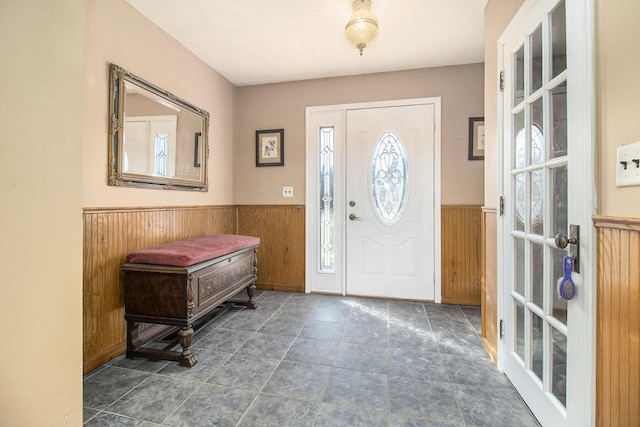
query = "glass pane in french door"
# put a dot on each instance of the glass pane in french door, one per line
(538, 167)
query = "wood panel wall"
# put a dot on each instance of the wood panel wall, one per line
(109, 234)
(281, 257)
(461, 238)
(489, 283)
(618, 322)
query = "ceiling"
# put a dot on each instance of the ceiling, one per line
(268, 41)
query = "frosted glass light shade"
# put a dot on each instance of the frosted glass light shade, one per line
(362, 28)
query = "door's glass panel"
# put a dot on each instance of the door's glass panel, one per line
(558, 40)
(519, 265)
(520, 197)
(520, 141)
(537, 345)
(537, 138)
(537, 202)
(559, 370)
(389, 178)
(537, 274)
(559, 184)
(518, 76)
(559, 107)
(519, 328)
(559, 306)
(536, 59)
(327, 199)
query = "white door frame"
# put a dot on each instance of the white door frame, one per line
(581, 63)
(339, 112)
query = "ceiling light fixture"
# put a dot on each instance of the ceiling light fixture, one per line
(362, 28)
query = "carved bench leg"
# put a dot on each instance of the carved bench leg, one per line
(251, 291)
(132, 338)
(184, 337)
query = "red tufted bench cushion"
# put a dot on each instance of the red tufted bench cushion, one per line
(184, 253)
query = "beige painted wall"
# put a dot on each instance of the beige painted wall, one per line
(41, 69)
(118, 33)
(618, 93)
(283, 106)
(497, 15)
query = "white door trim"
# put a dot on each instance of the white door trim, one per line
(581, 62)
(311, 180)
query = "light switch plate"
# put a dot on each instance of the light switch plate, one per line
(628, 164)
(287, 191)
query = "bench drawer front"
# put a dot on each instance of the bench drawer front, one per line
(216, 282)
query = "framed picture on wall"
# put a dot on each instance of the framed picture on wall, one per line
(270, 147)
(476, 138)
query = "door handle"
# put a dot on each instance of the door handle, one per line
(353, 217)
(563, 241)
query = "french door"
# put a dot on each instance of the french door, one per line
(547, 182)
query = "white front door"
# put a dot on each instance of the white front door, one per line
(390, 202)
(547, 180)
(379, 162)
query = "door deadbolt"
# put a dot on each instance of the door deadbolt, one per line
(352, 203)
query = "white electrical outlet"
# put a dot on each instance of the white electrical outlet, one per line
(628, 164)
(287, 191)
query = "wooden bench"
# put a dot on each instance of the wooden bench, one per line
(170, 287)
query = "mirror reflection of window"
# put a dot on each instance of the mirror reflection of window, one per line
(149, 145)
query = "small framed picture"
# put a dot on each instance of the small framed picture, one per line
(476, 138)
(270, 147)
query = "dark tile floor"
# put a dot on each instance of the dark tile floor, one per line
(316, 360)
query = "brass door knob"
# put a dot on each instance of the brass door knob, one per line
(562, 241)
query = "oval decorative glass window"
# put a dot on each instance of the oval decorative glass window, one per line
(389, 178)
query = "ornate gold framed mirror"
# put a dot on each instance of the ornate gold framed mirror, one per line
(156, 139)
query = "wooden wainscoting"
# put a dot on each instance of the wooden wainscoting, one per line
(489, 282)
(109, 234)
(618, 322)
(281, 258)
(461, 254)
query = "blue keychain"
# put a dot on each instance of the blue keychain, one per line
(566, 287)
